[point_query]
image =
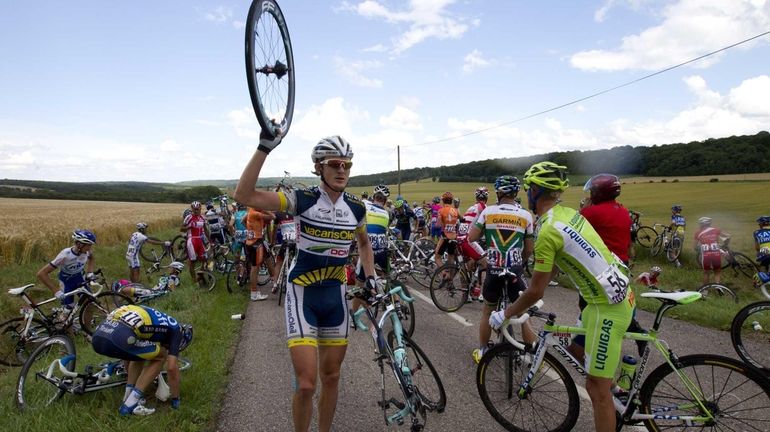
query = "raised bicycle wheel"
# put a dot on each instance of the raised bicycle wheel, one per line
(428, 384)
(550, 403)
(95, 311)
(750, 334)
(735, 396)
(645, 236)
(449, 287)
(717, 291)
(674, 249)
(179, 248)
(41, 382)
(15, 347)
(269, 66)
(205, 280)
(657, 246)
(150, 251)
(743, 265)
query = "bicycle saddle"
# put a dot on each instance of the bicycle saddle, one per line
(19, 290)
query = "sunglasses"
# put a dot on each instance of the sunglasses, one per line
(337, 164)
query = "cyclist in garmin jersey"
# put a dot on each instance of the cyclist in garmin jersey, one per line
(762, 242)
(329, 219)
(508, 232)
(70, 262)
(138, 334)
(564, 239)
(707, 241)
(196, 230)
(135, 243)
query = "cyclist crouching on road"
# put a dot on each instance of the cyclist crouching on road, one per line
(139, 334)
(564, 239)
(329, 219)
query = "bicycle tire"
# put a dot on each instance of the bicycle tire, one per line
(750, 335)
(657, 246)
(427, 382)
(406, 315)
(147, 249)
(206, 280)
(94, 311)
(715, 290)
(33, 392)
(499, 375)
(179, 248)
(449, 294)
(646, 236)
(265, 75)
(15, 349)
(743, 265)
(235, 276)
(674, 249)
(282, 280)
(731, 389)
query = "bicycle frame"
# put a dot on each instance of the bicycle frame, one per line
(547, 339)
(33, 308)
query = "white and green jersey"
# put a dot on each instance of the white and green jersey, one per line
(565, 238)
(505, 226)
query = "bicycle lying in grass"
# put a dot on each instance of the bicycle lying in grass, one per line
(49, 373)
(20, 335)
(750, 335)
(419, 388)
(527, 388)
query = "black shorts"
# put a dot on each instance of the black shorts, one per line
(493, 288)
(446, 245)
(257, 250)
(380, 259)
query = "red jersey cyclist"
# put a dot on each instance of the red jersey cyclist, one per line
(196, 229)
(707, 241)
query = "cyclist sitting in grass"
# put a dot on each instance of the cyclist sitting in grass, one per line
(762, 242)
(70, 262)
(135, 243)
(707, 240)
(650, 278)
(140, 334)
(564, 239)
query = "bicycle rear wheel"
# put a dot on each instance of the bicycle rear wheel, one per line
(735, 396)
(674, 249)
(206, 280)
(645, 236)
(147, 249)
(657, 246)
(714, 291)
(15, 347)
(449, 288)
(744, 265)
(95, 311)
(179, 248)
(750, 334)
(41, 382)
(424, 377)
(549, 403)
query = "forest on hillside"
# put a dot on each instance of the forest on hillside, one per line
(733, 155)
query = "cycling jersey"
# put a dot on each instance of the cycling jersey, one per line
(377, 222)
(195, 225)
(612, 222)
(419, 212)
(255, 226)
(647, 279)
(762, 239)
(708, 240)
(135, 243)
(447, 220)
(505, 226)
(678, 221)
(136, 332)
(70, 264)
(468, 219)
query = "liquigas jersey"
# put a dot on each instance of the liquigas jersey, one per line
(326, 230)
(565, 238)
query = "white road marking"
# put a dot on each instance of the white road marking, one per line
(453, 315)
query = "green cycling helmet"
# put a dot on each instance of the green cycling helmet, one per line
(399, 203)
(547, 175)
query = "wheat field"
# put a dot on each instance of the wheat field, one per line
(36, 230)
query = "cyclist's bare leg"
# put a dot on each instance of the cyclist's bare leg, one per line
(485, 330)
(577, 351)
(134, 274)
(191, 266)
(260, 252)
(601, 400)
(717, 274)
(331, 358)
(305, 361)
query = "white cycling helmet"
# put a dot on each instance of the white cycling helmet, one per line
(176, 265)
(332, 146)
(141, 226)
(381, 189)
(704, 220)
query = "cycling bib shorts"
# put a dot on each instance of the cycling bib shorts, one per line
(316, 315)
(605, 326)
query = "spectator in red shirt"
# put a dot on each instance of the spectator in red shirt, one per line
(707, 240)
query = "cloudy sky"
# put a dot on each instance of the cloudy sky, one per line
(156, 90)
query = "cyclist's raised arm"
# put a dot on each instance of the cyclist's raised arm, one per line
(245, 190)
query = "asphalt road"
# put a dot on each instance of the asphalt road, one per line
(258, 396)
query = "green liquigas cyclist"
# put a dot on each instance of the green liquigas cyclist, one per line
(564, 239)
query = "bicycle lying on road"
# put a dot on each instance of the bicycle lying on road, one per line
(525, 387)
(20, 335)
(419, 387)
(49, 373)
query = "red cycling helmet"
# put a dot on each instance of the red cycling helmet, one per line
(603, 187)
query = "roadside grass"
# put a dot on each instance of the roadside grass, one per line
(203, 385)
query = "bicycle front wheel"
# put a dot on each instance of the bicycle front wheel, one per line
(449, 288)
(750, 334)
(41, 381)
(15, 344)
(744, 265)
(95, 311)
(424, 377)
(674, 249)
(237, 278)
(206, 280)
(549, 403)
(646, 236)
(732, 396)
(149, 251)
(657, 246)
(179, 248)
(714, 291)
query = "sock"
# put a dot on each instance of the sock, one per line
(129, 387)
(133, 397)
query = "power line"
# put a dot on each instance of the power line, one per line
(478, 131)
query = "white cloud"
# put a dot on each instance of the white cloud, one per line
(353, 71)
(751, 97)
(689, 28)
(239, 24)
(425, 20)
(475, 60)
(402, 118)
(170, 146)
(219, 15)
(244, 123)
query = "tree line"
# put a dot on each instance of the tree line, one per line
(107, 191)
(733, 155)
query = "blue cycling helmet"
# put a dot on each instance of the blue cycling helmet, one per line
(676, 208)
(187, 336)
(507, 185)
(84, 236)
(763, 220)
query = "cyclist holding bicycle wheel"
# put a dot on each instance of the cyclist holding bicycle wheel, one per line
(137, 334)
(508, 232)
(135, 243)
(316, 310)
(564, 239)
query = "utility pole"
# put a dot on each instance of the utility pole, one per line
(398, 157)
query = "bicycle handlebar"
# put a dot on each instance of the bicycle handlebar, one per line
(519, 320)
(395, 291)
